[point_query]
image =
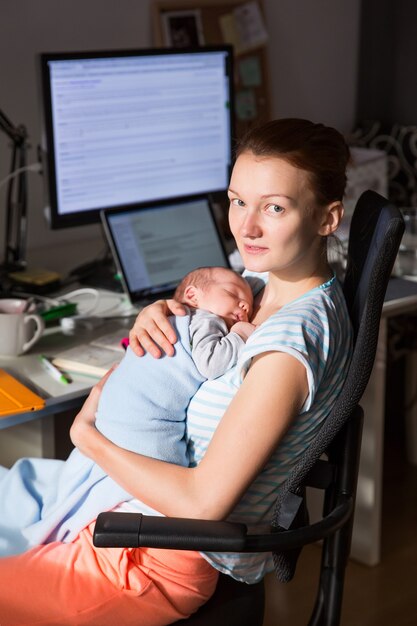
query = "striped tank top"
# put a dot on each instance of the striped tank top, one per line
(316, 330)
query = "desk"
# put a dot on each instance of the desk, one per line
(32, 434)
(401, 298)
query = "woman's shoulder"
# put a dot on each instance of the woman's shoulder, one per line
(310, 318)
(317, 302)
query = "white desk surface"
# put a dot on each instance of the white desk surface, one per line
(401, 296)
(29, 370)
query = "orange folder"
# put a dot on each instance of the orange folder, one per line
(15, 397)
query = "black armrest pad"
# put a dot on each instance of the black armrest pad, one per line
(134, 529)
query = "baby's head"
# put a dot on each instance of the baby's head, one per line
(218, 290)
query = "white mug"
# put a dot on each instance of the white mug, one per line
(19, 329)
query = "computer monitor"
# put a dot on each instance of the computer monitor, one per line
(124, 127)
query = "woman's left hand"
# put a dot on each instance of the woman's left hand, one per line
(84, 422)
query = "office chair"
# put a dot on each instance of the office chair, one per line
(330, 463)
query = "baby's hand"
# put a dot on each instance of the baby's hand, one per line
(243, 329)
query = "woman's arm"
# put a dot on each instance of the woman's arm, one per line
(152, 331)
(248, 433)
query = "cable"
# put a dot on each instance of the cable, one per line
(87, 319)
(119, 298)
(34, 167)
(37, 297)
(80, 292)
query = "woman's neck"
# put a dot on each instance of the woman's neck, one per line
(280, 291)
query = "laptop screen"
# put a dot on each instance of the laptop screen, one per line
(156, 243)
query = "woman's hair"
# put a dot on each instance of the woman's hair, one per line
(319, 150)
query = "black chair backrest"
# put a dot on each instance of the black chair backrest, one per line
(375, 234)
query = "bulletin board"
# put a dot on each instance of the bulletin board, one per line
(190, 23)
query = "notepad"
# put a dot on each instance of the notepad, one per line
(16, 397)
(88, 359)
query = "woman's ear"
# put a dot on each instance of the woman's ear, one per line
(331, 219)
(191, 295)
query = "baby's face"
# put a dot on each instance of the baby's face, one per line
(229, 296)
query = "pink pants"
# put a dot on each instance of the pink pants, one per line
(62, 584)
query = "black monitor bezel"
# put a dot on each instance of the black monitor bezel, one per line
(58, 220)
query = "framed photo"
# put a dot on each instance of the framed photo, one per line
(182, 29)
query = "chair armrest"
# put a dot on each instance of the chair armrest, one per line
(134, 529)
(131, 530)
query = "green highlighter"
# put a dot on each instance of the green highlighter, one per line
(53, 371)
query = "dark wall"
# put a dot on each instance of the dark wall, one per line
(387, 76)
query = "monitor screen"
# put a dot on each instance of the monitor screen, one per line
(155, 244)
(126, 127)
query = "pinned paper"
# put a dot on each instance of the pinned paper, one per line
(250, 71)
(245, 104)
(244, 28)
(229, 31)
(250, 25)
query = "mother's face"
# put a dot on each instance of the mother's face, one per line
(272, 215)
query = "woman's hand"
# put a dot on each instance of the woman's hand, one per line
(83, 425)
(152, 331)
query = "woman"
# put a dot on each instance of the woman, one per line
(246, 428)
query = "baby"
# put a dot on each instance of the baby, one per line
(142, 408)
(210, 336)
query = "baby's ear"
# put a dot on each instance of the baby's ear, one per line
(191, 295)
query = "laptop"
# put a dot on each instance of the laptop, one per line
(155, 244)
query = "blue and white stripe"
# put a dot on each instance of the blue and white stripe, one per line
(316, 330)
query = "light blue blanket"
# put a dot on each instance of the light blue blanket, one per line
(43, 500)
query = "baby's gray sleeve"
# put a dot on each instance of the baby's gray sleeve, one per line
(214, 348)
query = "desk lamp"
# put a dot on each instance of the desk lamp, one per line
(13, 269)
(16, 199)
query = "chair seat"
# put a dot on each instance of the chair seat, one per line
(232, 604)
